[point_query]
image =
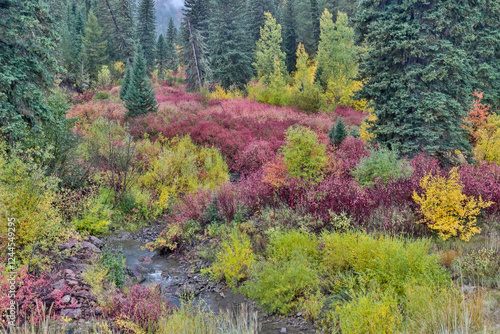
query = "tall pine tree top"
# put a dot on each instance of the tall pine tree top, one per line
(146, 30)
(140, 95)
(95, 46)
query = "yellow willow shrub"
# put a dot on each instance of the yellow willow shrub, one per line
(182, 167)
(27, 198)
(225, 94)
(446, 208)
(488, 147)
(366, 135)
(235, 259)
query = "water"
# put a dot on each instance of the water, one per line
(167, 271)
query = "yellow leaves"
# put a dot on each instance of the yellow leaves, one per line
(182, 167)
(366, 135)
(236, 258)
(119, 66)
(223, 94)
(446, 209)
(488, 146)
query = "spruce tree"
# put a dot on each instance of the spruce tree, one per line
(256, 17)
(95, 46)
(140, 95)
(290, 36)
(195, 57)
(337, 133)
(161, 56)
(126, 82)
(315, 23)
(198, 12)
(417, 73)
(28, 68)
(230, 47)
(115, 17)
(171, 41)
(146, 30)
(269, 49)
(485, 51)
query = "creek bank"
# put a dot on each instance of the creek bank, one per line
(181, 278)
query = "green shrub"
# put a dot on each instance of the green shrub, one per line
(27, 198)
(381, 165)
(278, 286)
(372, 313)
(97, 213)
(303, 155)
(114, 262)
(102, 95)
(235, 259)
(290, 272)
(390, 262)
(480, 266)
(285, 246)
(308, 99)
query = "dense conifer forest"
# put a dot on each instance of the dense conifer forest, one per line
(249, 166)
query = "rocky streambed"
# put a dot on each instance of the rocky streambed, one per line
(182, 279)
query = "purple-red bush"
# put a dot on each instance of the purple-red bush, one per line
(350, 116)
(482, 180)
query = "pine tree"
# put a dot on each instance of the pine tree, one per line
(126, 82)
(198, 11)
(315, 23)
(230, 48)
(337, 133)
(140, 97)
(172, 59)
(256, 17)
(95, 47)
(195, 56)
(290, 36)
(269, 49)
(420, 78)
(146, 30)
(485, 50)
(115, 17)
(161, 56)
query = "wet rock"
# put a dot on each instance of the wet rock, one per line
(72, 313)
(68, 245)
(468, 288)
(283, 330)
(90, 246)
(96, 241)
(145, 259)
(66, 299)
(69, 273)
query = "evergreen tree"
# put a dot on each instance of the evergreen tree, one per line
(290, 36)
(161, 56)
(195, 57)
(230, 48)
(95, 46)
(256, 17)
(198, 11)
(485, 50)
(269, 49)
(127, 78)
(115, 17)
(315, 23)
(337, 133)
(140, 97)
(417, 73)
(172, 59)
(146, 30)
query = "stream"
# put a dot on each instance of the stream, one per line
(170, 273)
